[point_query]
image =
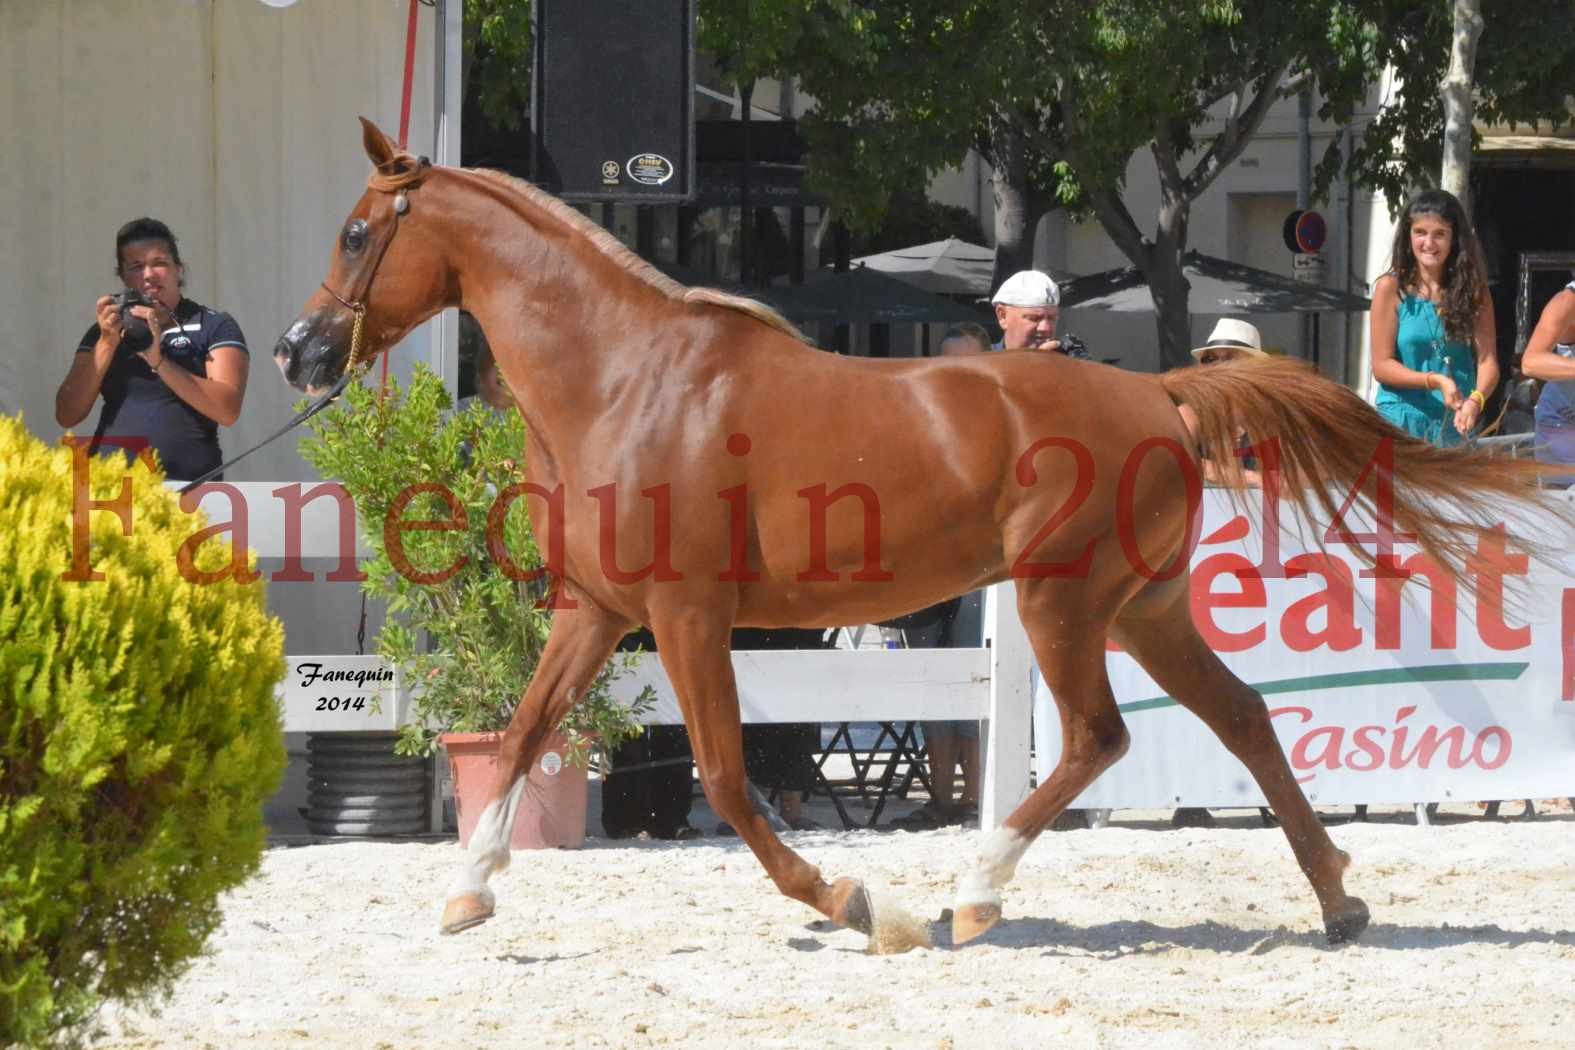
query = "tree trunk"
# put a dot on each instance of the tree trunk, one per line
(1456, 94)
(1166, 281)
(1016, 211)
(1161, 261)
(1172, 319)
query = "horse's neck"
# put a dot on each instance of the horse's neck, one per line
(557, 311)
(565, 350)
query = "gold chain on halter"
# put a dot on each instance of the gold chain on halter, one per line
(355, 338)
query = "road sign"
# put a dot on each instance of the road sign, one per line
(1309, 267)
(1305, 231)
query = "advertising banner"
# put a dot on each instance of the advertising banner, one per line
(1381, 690)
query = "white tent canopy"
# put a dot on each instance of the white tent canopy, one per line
(949, 267)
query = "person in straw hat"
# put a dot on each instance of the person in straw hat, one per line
(1231, 340)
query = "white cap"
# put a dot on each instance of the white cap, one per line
(1029, 288)
(1231, 334)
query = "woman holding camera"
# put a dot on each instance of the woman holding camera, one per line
(170, 370)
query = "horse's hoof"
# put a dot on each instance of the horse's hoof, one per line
(465, 911)
(972, 920)
(1348, 923)
(851, 906)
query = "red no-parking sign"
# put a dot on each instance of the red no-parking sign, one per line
(1305, 231)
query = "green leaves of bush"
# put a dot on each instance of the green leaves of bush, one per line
(470, 639)
(139, 736)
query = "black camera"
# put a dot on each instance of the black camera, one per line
(135, 334)
(1072, 346)
(126, 298)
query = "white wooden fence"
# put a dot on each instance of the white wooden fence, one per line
(831, 685)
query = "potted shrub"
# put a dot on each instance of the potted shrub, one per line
(464, 634)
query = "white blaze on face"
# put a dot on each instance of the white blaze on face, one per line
(999, 852)
(488, 852)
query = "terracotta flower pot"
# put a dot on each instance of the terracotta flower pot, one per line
(552, 807)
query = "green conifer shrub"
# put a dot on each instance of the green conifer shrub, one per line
(139, 736)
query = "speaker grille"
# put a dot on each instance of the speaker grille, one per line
(613, 100)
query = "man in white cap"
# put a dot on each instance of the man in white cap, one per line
(1027, 307)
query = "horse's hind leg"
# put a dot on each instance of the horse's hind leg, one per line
(694, 650)
(582, 639)
(1158, 631)
(1068, 639)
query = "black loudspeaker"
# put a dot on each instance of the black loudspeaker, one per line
(612, 103)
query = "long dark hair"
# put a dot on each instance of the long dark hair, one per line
(1465, 272)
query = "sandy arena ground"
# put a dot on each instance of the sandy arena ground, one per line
(1132, 935)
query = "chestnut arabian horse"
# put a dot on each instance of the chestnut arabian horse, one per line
(703, 468)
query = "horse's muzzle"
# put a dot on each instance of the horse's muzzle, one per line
(305, 359)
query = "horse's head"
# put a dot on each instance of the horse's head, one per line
(384, 279)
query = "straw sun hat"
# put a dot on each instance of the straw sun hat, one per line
(1231, 334)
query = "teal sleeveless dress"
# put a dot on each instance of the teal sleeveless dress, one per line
(1422, 346)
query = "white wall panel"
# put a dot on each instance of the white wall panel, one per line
(230, 120)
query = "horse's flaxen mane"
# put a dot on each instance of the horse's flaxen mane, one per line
(614, 249)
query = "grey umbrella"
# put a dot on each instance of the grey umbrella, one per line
(863, 296)
(949, 267)
(1218, 286)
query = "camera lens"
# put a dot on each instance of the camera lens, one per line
(135, 335)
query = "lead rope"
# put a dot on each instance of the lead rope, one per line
(350, 364)
(382, 393)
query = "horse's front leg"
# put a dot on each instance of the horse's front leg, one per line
(694, 649)
(581, 641)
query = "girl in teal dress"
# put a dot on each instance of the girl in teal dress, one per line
(1433, 343)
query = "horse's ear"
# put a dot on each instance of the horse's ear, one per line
(378, 147)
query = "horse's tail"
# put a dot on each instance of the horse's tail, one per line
(1333, 447)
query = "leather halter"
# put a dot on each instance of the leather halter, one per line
(357, 306)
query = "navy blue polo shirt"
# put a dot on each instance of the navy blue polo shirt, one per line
(139, 408)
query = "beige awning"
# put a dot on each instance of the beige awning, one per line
(1536, 151)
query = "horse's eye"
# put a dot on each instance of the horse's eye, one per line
(355, 236)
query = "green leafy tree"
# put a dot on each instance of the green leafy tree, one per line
(911, 218)
(751, 39)
(903, 91)
(496, 59)
(1520, 78)
(1062, 95)
(1189, 84)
